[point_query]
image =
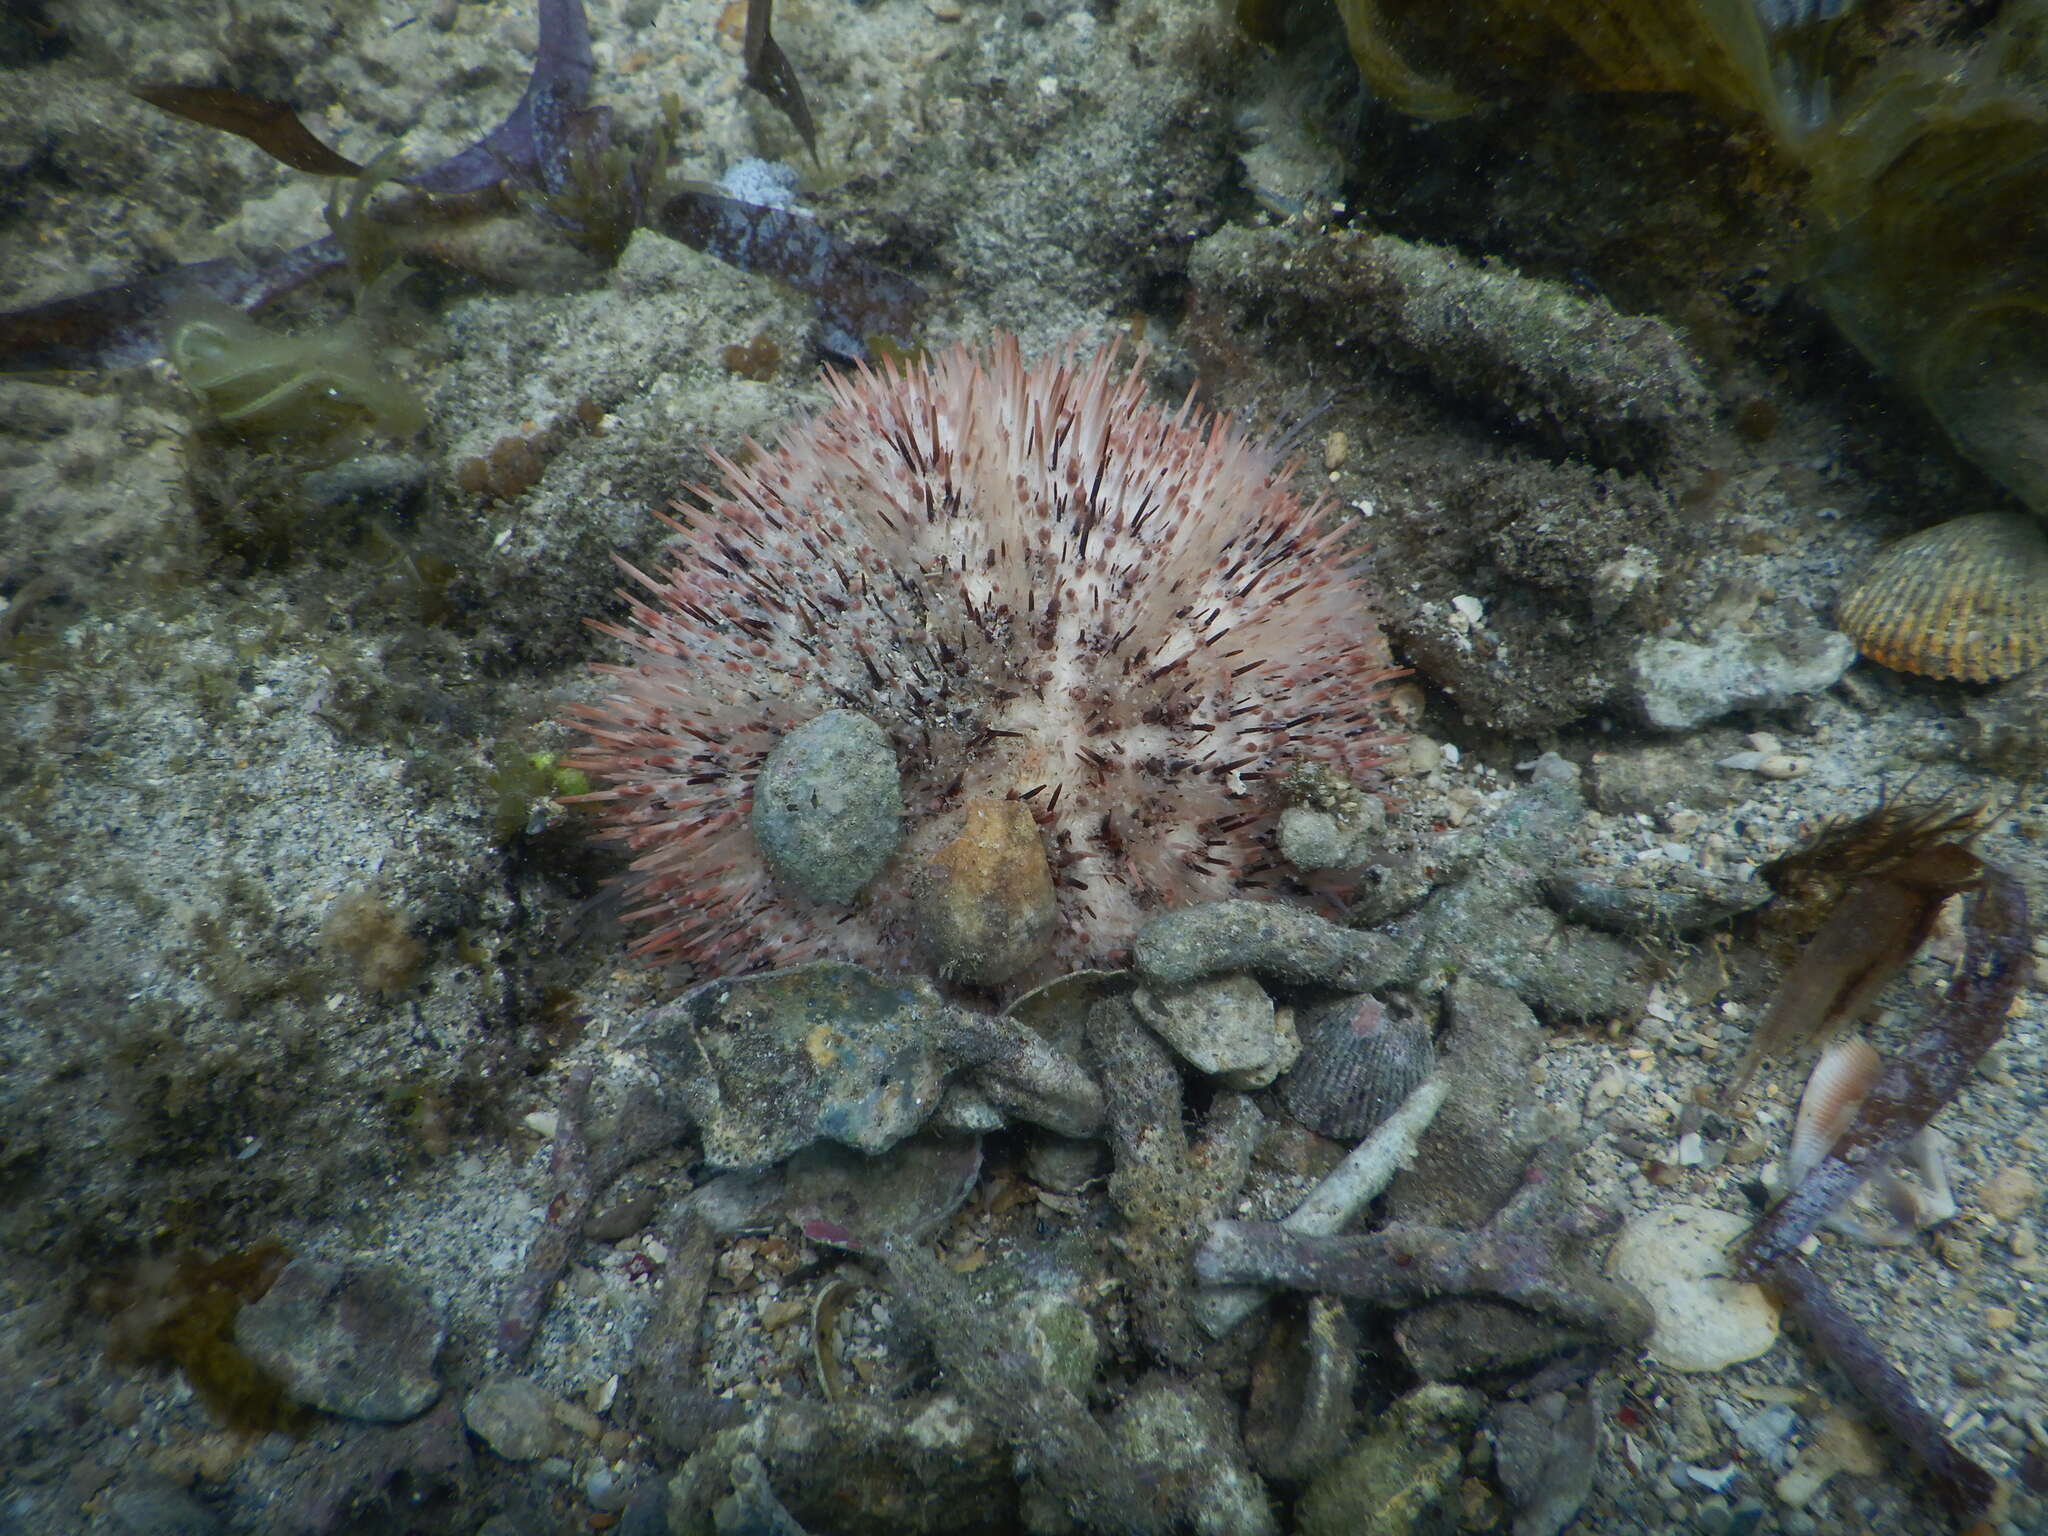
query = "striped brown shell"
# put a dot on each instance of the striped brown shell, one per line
(1359, 1059)
(1967, 599)
(1842, 1079)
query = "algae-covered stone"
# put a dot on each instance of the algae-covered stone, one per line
(828, 811)
(513, 1416)
(1398, 1480)
(1060, 1336)
(354, 1339)
(1681, 685)
(1225, 1028)
(765, 1065)
(1187, 1440)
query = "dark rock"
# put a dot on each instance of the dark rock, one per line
(511, 1415)
(1546, 1451)
(152, 1507)
(828, 809)
(1280, 943)
(353, 1339)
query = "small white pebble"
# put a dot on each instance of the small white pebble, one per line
(541, 1122)
(1782, 765)
(1470, 609)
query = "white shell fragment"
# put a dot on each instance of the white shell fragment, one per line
(1676, 1257)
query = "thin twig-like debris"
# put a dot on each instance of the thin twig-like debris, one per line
(1356, 1182)
(1917, 1083)
(1522, 1256)
(1964, 1486)
(579, 1177)
(1165, 1190)
(665, 1391)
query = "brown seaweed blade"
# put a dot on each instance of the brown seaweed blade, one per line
(1874, 929)
(770, 72)
(1920, 1080)
(563, 65)
(113, 327)
(271, 126)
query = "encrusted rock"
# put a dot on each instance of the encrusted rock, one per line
(1473, 1157)
(828, 811)
(926, 1467)
(1269, 939)
(1227, 1028)
(1399, 1478)
(1300, 1413)
(1186, 1439)
(1492, 923)
(770, 1063)
(765, 1065)
(1316, 837)
(353, 1339)
(152, 1506)
(512, 1415)
(1681, 685)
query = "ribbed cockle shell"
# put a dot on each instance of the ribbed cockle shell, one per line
(1967, 599)
(1359, 1060)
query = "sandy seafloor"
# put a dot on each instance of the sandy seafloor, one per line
(200, 760)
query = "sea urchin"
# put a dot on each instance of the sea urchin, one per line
(1053, 596)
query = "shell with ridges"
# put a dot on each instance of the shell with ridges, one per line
(1360, 1059)
(1841, 1081)
(1967, 599)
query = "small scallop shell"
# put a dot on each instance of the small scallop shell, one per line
(1968, 599)
(1841, 1080)
(1359, 1061)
